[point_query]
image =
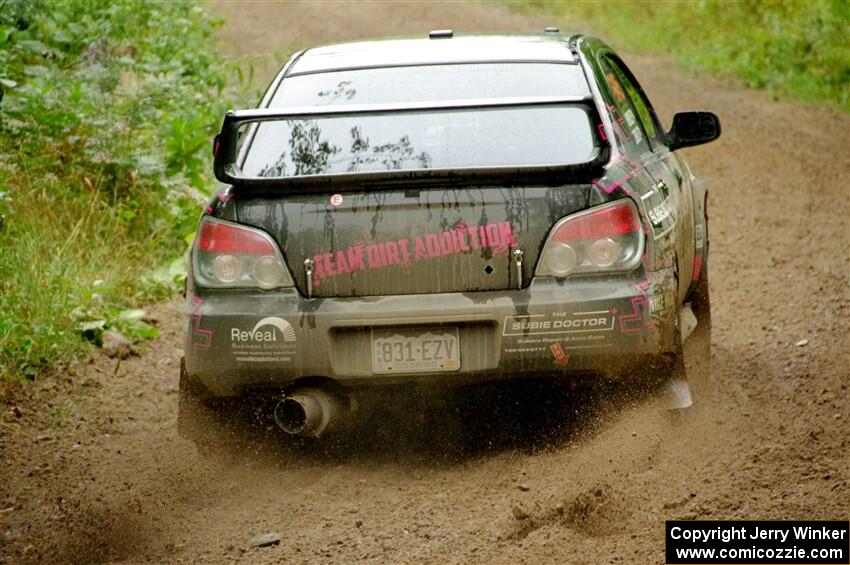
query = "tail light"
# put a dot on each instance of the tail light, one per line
(605, 238)
(229, 255)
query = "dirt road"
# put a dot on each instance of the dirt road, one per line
(91, 468)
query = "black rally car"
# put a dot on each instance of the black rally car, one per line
(443, 210)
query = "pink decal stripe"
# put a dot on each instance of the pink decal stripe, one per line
(697, 267)
(204, 334)
(608, 189)
(638, 313)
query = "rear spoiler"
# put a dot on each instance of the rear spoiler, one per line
(228, 171)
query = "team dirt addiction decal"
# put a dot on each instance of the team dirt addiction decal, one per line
(497, 237)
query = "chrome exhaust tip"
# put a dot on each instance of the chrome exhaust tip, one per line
(307, 412)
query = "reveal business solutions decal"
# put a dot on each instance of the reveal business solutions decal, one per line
(271, 339)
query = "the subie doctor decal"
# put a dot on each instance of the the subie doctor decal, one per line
(559, 323)
(271, 339)
(559, 332)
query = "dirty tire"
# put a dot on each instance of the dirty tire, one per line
(673, 378)
(701, 301)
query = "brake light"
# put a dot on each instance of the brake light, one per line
(219, 237)
(229, 255)
(603, 239)
(608, 221)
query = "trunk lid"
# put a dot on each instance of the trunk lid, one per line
(407, 240)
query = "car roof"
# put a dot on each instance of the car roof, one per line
(390, 52)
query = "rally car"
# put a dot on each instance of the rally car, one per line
(443, 210)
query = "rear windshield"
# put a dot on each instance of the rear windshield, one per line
(432, 82)
(434, 139)
(526, 136)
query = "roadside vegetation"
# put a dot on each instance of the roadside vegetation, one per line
(107, 111)
(798, 49)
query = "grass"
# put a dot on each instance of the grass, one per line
(794, 49)
(70, 270)
(106, 124)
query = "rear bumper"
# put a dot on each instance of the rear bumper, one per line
(241, 340)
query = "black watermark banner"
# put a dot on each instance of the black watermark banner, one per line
(745, 542)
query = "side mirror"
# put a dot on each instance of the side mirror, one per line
(693, 128)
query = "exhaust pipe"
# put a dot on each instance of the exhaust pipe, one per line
(308, 412)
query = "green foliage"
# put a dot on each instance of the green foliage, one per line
(107, 111)
(796, 48)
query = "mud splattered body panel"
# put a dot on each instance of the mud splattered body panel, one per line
(547, 328)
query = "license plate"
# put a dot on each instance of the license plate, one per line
(415, 351)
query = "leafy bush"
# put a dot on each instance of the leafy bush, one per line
(796, 48)
(107, 110)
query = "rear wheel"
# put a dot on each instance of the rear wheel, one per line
(676, 388)
(701, 300)
(677, 391)
(698, 346)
